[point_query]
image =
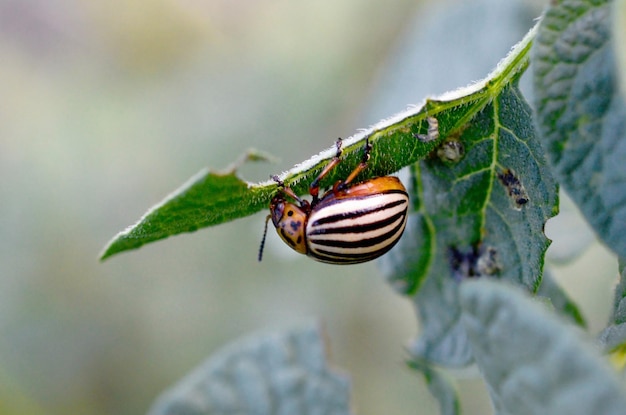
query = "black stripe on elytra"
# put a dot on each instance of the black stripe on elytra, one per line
(361, 243)
(356, 214)
(358, 228)
(347, 258)
(342, 257)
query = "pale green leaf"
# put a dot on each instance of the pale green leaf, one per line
(271, 373)
(533, 362)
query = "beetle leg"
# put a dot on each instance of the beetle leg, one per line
(304, 204)
(362, 165)
(314, 189)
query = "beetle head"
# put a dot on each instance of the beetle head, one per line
(289, 221)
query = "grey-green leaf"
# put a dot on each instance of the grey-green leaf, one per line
(273, 373)
(613, 337)
(581, 113)
(469, 213)
(476, 205)
(533, 362)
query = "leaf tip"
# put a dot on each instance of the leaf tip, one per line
(110, 249)
(123, 241)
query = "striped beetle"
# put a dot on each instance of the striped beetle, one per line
(349, 224)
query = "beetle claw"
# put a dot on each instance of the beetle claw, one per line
(338, 144)
(277, 180)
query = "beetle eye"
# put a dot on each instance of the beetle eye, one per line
(277, 212)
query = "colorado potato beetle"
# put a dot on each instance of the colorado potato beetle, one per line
(351, 223)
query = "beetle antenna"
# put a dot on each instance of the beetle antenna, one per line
(267, 219)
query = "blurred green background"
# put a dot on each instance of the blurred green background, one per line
(106, 107)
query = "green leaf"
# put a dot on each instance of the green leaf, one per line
(487, 210)
(273, 373)
(207, 199)
(581, 113)
(532, 361)
(470, 215)
(211, 198)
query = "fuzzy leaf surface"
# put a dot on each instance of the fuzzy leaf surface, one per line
(465, 210)
(482, 214)
(471, 212)
(581, 112)
(275, 373)
(533, 362)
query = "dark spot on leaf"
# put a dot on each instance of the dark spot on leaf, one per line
(514, 187)
(475, 262)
